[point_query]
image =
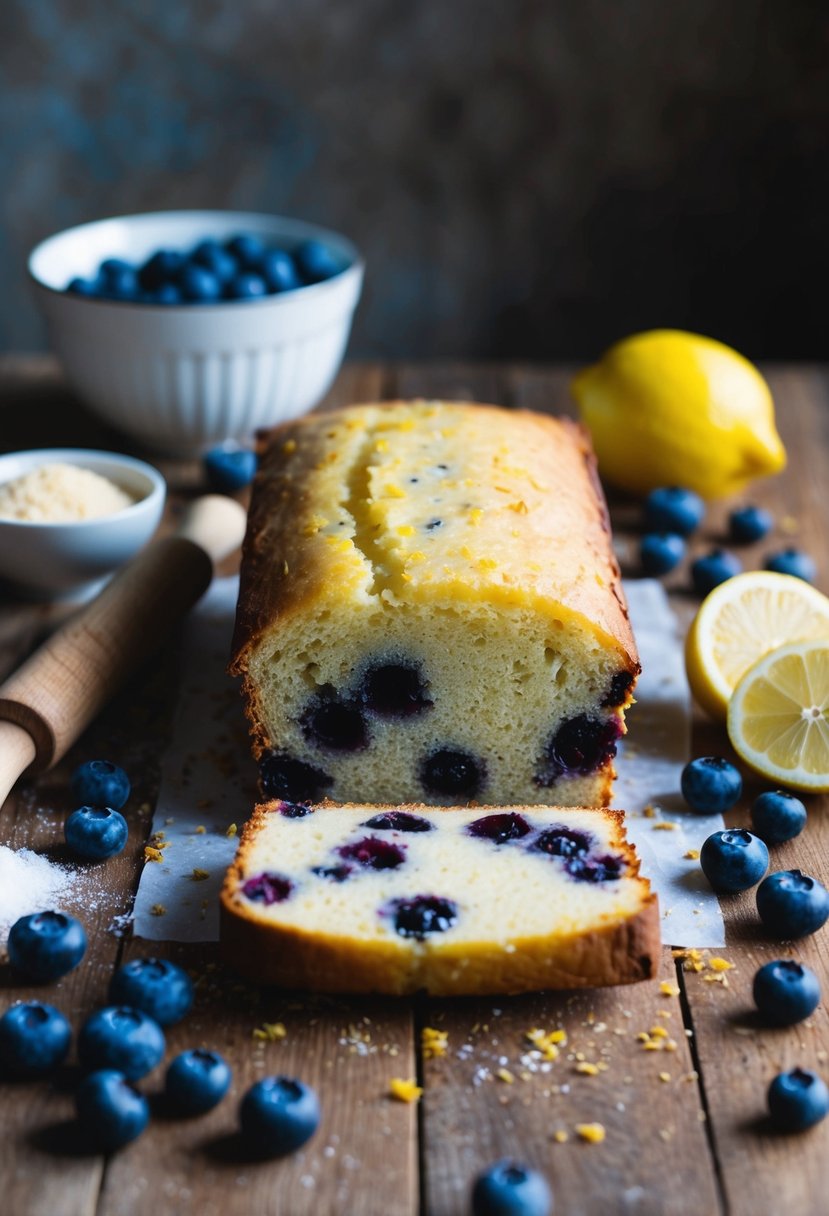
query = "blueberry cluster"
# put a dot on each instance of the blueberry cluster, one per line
(241, 268)
(790, 905)
(97, 830)
(672, 514)
(123, 1042)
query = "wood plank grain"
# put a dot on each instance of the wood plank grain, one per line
(492, 1096)
(763, 1171)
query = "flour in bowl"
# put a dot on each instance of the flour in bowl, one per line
(60, 493)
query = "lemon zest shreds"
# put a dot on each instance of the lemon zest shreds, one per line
(433, 1042)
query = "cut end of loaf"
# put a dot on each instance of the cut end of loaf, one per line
(361, 898)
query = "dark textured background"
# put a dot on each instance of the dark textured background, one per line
(526, 178)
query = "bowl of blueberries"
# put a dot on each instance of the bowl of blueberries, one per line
(187, 328)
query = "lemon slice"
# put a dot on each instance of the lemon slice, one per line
(743, 619)
(778, 717)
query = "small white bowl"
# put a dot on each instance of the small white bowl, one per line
(180, 378)
(61, 560)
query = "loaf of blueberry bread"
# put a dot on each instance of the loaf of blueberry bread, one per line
(430, 610)
(455, 900)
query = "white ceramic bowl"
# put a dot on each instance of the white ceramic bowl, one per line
(180, 378)
(56, 560)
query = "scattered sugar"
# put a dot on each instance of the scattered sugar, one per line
(29, 883)
(60, 493)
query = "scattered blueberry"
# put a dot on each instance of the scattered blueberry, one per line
(267, 889)
(213, 257)
(121, 1038)
(278, 1115)
(279, 271)
(333, 724)
(158, 988)
(619, 689)
(422, 915)
(786, 992)
(96, 832)
(196, 1081)
(499, 828)
(710, 785)
(713, 568)
(791, 904)
(509, 1188)
(452, 774)
(660, 552)
(733, 860)
(229, 468)
(315, 261)
(793, 562)
(198, 285)
(797, 1100)
(246, 287)
(778, 816)
(100, 783)
(284, 777)
(563, 842)
(46, 945)
(247, 249)
(579, 746)
(110, 1110)
(398, 821)
(673, 509)
(395, 690)
(748, 524)
(373, 853)
(34, 1039)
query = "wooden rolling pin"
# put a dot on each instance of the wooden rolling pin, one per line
(47, 703)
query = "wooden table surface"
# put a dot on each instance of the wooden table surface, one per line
(685, 1127)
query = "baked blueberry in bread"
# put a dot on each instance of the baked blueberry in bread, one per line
(430, 610)
(457, 900)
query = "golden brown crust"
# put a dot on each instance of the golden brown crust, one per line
(621, 952)
(556, 549)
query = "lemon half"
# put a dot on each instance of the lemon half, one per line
(743, 619)
(778, 717)
(668, 407)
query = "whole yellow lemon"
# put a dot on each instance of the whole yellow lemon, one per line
(673, 408)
